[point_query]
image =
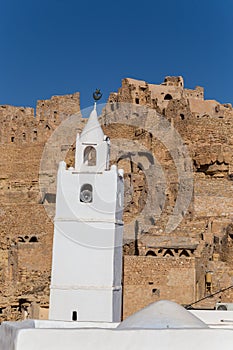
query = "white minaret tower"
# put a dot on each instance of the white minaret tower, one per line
(88, 228)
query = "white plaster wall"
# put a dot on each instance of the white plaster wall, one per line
(120, 197)
(90, 304)
(85, 277)
(90, 339)
(87, 248)
(117, 266)
(77, 255)
(215, 317)
(68, 203)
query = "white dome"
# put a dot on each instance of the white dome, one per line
(162, 314)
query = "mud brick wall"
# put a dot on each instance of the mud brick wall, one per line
(148, 279)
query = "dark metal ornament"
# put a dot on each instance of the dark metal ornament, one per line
(97, 95)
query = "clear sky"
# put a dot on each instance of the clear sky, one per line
(53, 47)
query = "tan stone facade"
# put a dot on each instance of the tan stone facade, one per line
(26, 230)
(156, 264)
(148, 279)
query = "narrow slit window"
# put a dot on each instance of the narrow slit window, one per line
(34, 135)
(74, 316)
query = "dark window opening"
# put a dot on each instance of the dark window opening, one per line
(34, 135)
(222, 307)
(181, 116)
(140, 167)
(137, 100)
(168, 97)
(33, 239)
(22, 303)
(89, 156)
(152, 220)
(74, 316)
(86, 193)
(168, 252)
(156, 291)
(12, 139)
(208, 287)
(184, 253)
(150, 253)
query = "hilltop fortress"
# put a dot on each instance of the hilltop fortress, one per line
(185, 265)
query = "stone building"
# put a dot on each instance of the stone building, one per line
(25, 228)
(186, 264)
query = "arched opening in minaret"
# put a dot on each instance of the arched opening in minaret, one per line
(89, 156)
(86, 193)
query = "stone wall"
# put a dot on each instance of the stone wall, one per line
(25, 229)
(148, 279)
(155, 262)
(206, 129)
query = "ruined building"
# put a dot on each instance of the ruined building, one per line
(185, 263)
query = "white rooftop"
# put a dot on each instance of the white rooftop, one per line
(163, 325)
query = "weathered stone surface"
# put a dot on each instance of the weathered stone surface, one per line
(157, 264)
(206, 128)
(25, 229)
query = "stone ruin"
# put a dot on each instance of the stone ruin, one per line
(185, 263)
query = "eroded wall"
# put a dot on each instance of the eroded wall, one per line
(153, 259)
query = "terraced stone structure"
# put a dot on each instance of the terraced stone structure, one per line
(186, 264)
(26, 230)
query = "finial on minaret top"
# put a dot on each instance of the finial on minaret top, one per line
(92, 132)
(97, 95)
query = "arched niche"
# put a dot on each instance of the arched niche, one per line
(150, 253)
(168, 97)
(89, 156)
(86, 193)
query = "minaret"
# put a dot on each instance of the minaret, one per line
(88, 228)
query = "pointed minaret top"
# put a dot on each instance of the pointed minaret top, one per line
(92, 133)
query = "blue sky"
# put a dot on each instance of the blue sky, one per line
(53, 47)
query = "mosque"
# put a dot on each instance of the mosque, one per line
(85, 302)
